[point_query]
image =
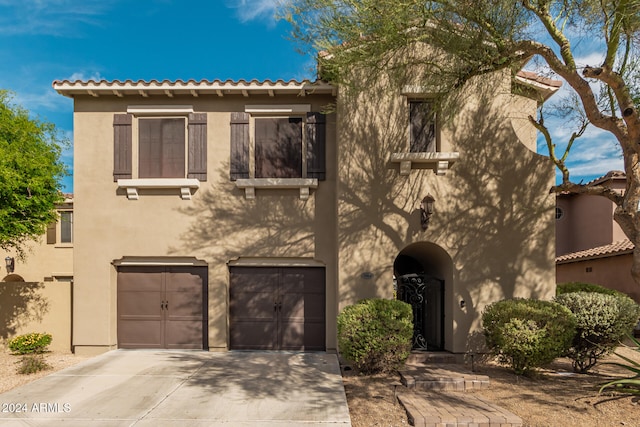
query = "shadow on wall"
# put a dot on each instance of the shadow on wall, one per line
(226, 225)
(493, 212)
(21, 303)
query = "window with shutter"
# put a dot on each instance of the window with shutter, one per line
(422, 125)
(284, 147)
(170, 146)
(61, 231)
(66, 227)
(51, 234)
(278, 147)
(161, 149)
(288, 147)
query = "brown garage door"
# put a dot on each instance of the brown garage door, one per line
(277, 308)
(162, 307)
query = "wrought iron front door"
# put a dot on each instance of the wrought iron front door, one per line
(426, 296)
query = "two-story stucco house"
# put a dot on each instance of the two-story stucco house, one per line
(246, 214)
(591, 246)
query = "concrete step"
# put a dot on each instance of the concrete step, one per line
(417, 357)
(444, 377)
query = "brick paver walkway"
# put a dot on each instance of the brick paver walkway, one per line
(433, 409)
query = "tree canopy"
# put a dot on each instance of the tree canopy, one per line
(31, 170)
(593, 45)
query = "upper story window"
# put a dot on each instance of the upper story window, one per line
(61, 232)
(161, 148)
(277, 142)
(278, 147)
(422, 127)
(170, 142)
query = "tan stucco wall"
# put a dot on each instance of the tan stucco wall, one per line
(27, 307)
(612, 272)
(41, 261)
(492, 233)
(218, 225)
(587, 223)
(491, 236)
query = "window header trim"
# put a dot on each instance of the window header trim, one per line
(278, 109)
(159, 110)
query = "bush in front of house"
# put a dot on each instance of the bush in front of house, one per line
(32, 363)
(375, 334)
(569, 287)
(526, 334)
(602, 322)
(34, 342)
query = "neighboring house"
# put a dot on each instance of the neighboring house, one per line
(51, 257)
(236, 215)
(590, 246)
(36, 289)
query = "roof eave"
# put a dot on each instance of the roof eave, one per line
(546, 91)
(191, 88)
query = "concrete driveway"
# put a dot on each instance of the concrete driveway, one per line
(185, 388)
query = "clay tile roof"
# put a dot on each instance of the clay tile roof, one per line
(194, 87)
(615, 248)
(535, 77)
(608, 176)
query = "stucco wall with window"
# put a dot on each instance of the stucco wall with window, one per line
(493, 214)
(216, 223)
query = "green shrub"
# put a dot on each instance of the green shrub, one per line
(526, 334)
(30, 343)
(375, 334)
(569, 287)
(602, 321)
(32, 363)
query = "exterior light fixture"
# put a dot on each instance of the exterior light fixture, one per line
(10, 263)
(426, 210)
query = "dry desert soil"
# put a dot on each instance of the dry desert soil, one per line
(555, 397)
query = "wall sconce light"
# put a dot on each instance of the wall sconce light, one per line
(10, 263)
(426, 210)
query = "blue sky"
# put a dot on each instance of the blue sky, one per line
(45, 40)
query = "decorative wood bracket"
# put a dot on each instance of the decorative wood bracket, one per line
(185, 186)
(440, 161)
(250, 185)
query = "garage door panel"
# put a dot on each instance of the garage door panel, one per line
(253, 280)
(185, 334)
(139, 279)
(292, 335)
(184, 280)
(161, 307)
(139, 304)
(247, 306)
(314, 335)
(141, 334)
(248, 335)
(269, 308)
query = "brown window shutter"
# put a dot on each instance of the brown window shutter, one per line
(51, 234)
(122, 146)
(316, 145)
(239, 163)
(197, 146)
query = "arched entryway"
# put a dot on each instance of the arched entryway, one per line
(421, 271)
